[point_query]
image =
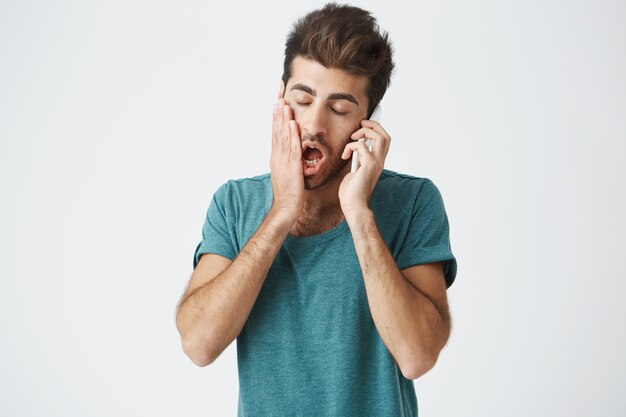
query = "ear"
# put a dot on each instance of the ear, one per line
(281, 93)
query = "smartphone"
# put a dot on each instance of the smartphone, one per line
(355, 155)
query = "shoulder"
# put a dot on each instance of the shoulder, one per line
(237, 196)
(244, 186)
(404, 190)
(249, 182)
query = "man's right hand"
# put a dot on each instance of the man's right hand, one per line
(286, 162)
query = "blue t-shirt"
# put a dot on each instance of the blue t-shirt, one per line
(310, 346)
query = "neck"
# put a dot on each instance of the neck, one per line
(324, 199)
(322, 210)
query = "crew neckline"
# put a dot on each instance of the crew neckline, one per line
(321, 237)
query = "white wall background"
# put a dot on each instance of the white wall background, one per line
(119, 119)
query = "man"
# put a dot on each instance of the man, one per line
(334, 283)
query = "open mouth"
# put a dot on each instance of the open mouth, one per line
(311, 155)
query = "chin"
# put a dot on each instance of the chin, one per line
(311, 184)
(321, 179)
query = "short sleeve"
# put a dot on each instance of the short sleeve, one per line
(215, 231)
(428, 236)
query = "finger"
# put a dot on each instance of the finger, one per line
(351, 147)
(296, 145)
(365, 155)
(281, 89)
(365, 133)
(282, 125)
(379, 136)
(374, 125)
(286, 110)
(377, 141)
(276, 123)
(274, 118)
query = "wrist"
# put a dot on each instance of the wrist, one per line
(283, 216)
(358, 214)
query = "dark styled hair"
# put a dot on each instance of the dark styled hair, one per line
(346, 38)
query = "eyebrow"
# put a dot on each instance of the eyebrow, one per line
(334, 96)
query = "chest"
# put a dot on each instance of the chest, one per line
(312, 288)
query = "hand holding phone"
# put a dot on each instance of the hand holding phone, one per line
(355, 155)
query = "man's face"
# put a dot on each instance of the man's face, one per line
(328, 105)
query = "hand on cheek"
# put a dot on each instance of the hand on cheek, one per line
(286, 163)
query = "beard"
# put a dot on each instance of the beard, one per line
(332, 171)
(333, 168)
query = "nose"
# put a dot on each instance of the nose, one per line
(313, 120)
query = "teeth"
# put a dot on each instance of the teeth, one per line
(311, 163)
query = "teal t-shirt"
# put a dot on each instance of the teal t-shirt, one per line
(310, 346)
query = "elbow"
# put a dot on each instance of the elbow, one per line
(417, 367)
(199, 354)
(195, 346)
(419, 363)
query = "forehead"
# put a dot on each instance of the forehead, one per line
(327, 80)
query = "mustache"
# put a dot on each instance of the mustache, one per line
(313, 138)
(320, 139)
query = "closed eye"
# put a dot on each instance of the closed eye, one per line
(334, 111)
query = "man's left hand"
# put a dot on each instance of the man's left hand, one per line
(356, 188)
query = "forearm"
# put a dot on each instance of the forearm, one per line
(212, 316)
(409, 324)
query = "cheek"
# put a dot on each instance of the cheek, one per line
(347, 129)
(341, 135)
